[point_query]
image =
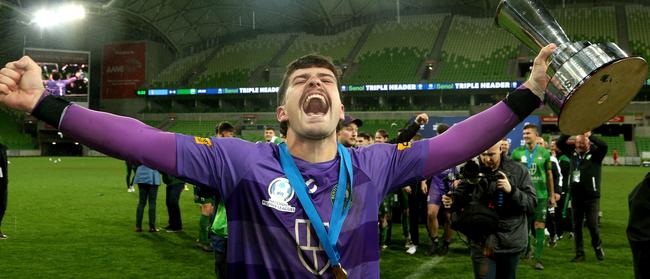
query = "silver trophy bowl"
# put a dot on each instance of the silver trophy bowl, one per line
(590, 82)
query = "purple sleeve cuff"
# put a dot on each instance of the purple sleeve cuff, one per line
(121, 137)
(469, 138)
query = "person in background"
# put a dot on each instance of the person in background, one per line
(586, 166)
(173, 192)
(4, 182)
(441, 183)
(537, 159)
(148, 181)
(364, 139)
(496, 256)
(347, 134)
(130, 170)
(218, 232)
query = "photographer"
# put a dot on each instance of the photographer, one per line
(504, 189)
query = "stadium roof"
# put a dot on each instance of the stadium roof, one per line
(183, 23)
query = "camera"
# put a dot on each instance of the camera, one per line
(477, 179)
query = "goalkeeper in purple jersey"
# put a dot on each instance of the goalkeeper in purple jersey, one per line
(57, 86)
(271, 231)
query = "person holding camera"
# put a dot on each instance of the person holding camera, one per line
(502, 190)
(584, 183)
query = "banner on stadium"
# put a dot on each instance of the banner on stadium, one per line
(123, 69)
(552, 119)
(344, 88)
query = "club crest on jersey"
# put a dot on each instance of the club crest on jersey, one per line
(403, 145)
(280, 193)
(203, 141)
(311, 253)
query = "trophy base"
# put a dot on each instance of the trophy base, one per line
(602, 95)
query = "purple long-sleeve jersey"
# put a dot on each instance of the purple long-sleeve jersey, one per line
(269, 233)
(57, 87)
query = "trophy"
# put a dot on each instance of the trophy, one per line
(590, 82)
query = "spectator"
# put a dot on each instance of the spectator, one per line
(148, 181)
(586, 163)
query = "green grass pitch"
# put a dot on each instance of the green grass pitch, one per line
(74, 219)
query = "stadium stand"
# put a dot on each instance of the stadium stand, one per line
(409, 44)
(642, 144)
(595, 24)
(464, 61)
(637, 24)
(336, 46)
(233, 64)
(173, 74)
(615, 142)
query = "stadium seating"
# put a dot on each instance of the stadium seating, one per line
(615, 142)
(10, 133)
(595, 24)
(171, 76)
(638, 18)
(642, 144)
(397, 59)
(465, 61)
(234, 63)
(336, 46)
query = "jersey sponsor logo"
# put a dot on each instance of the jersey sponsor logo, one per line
(203, 141)
(403, 145)
(280, 193)
(311, 253)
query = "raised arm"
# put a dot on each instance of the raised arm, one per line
(601, 147)
(474, 135)
(21, 88)
(411, 130)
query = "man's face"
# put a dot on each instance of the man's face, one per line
(313, 105)
(380, 139)
(530, 136)
(492, 157)
(269, 134)
(505, 146)
(361, 142)
(348, 135)
(227, 134)
(582, 144)
(553, 146)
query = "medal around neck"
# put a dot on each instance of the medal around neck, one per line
(590, 82)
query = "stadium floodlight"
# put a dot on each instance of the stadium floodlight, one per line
(54, 16)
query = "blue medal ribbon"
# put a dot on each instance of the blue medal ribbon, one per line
(529, 158)
(340, 207)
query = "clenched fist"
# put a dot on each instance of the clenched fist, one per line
(21, 85)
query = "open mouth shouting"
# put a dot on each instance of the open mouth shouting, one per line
(315, 103)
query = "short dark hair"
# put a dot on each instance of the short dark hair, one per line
(269, 128)
(442, 127)
(56, 75)
(365, 136)
(304, 62)
(382, 133)
(531, 126)
(224, 127)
